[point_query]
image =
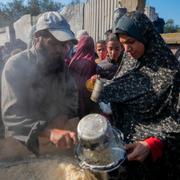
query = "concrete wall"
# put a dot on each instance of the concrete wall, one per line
(75, 16)
(23, 27)
(133, 5)
(95, 16)
(4, 35)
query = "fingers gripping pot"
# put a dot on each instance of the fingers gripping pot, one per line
(100, 146)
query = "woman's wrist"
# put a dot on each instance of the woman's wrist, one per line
(46, 133)
(156, 147)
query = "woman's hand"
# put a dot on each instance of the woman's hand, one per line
(137, 151)
(63, 138)
(94, 77)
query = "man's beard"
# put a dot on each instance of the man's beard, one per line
(51, 65)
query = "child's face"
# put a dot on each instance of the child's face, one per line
(101, 51)
(114, 49)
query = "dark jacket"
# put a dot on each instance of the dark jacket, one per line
(107, 69)
(33, 97)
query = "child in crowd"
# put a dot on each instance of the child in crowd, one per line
(101, 51)
(107, 68)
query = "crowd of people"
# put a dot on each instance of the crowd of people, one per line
(45, 86)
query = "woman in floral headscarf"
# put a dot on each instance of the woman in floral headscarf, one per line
(83, 65)
(145, 101)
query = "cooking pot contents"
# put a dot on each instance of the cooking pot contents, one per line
(100, 146)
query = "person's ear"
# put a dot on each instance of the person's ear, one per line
(38, 40)
(37, 34)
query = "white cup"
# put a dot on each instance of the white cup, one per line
(98, 87)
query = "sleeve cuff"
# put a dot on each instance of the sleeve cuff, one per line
(156, 147)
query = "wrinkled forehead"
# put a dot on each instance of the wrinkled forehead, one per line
(126, 39)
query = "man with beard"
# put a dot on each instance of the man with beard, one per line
(38, 93)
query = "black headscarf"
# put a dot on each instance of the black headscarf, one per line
(138, 26)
